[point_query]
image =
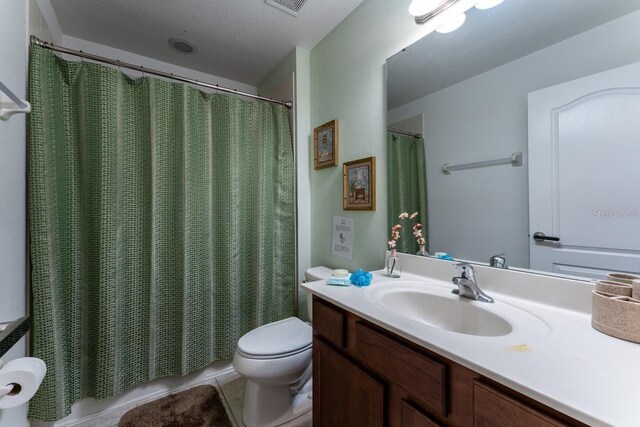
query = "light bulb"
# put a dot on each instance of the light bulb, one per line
(452, 24)
(488, 4)
(422, 7)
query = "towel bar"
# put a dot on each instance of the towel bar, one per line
(10, 104)
(11, 332)
(514, 160)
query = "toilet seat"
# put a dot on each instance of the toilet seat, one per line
(276, 340)
(272, 356)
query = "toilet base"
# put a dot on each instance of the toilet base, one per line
(270, 406)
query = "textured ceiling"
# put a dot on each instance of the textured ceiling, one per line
(491, 38)
(240, 40)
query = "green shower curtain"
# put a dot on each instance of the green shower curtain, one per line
(407, 187)
(161, 227)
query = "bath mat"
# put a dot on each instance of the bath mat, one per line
(196, 407)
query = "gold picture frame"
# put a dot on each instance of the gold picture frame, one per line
(325, 145)
(359, 185)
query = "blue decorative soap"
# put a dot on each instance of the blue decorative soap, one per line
(338, 281)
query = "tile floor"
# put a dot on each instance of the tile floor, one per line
(232, 387)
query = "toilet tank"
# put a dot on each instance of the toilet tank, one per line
(311, 275)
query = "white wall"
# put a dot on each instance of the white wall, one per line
(43, 22)
(290, 81)
(13, 295)
(479, 213)
(348, 84)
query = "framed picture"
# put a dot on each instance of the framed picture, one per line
(325, 145)
(359, 185)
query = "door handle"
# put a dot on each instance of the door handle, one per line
(539, 236)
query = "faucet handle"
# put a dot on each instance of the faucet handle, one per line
(498, 261)
(468, 271)
(463, 266)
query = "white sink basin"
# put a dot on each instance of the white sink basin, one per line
(437, 307)
(455, 315)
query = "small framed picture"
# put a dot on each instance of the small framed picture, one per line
(325, 145)
(359, 185)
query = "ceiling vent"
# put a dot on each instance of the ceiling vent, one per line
(292, 7)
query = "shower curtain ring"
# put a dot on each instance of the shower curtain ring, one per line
(118, 64)
(81, 56)
(171, 81)
(142, 70)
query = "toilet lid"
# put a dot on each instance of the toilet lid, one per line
(281, 337)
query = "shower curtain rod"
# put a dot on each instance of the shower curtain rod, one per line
(118, 63)
(415, 135)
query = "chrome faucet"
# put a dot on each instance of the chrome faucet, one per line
(498, 261)
(467, 285)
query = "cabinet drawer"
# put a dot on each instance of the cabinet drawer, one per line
(413, 417)
(422, 377)
(492, 407)
(328, 322)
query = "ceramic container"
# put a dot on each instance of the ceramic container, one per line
(617, 316)
(616, 288)
(622, 277)
(635, 293)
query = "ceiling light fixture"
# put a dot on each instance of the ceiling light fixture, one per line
(434, 8)
(488, 4)
(183, 45)
(422, 7)
(452, 24)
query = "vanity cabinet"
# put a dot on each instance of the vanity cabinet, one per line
(365, 375)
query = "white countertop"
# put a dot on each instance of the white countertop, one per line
(566, 365)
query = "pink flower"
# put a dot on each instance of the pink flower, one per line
(413, 215)
(395, 235)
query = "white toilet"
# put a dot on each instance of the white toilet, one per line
(276, 361)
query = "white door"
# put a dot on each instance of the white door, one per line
(584, 174)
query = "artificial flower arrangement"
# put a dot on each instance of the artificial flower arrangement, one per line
(417, 232)
(393, 268)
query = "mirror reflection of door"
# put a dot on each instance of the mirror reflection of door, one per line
(584, 173)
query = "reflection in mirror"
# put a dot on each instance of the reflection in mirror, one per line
(559, 82)
(406, 175)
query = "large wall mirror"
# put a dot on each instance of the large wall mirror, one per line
(519, 134)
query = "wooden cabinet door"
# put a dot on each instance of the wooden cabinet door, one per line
(413, 417)
(344, 394)
(493, 408)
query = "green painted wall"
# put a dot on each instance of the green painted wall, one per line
(348, 83)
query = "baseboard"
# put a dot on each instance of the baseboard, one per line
(92, 413)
